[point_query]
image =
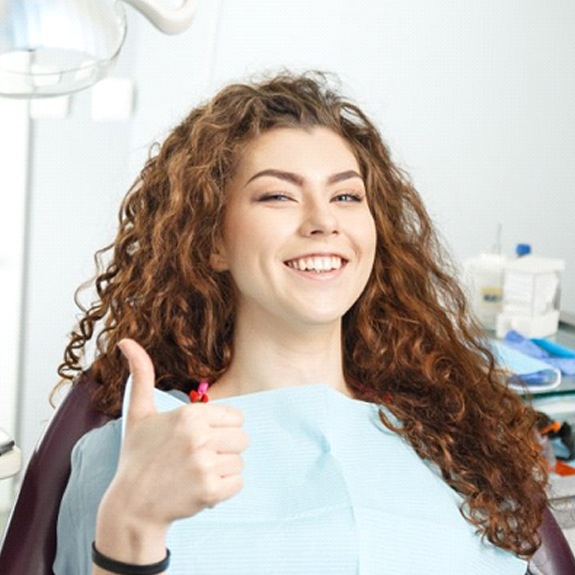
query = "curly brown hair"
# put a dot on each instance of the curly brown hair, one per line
(409, 342)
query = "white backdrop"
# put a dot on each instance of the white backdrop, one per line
(13, 185)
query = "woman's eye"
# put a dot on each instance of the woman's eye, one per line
(274, 197)
(348, 197)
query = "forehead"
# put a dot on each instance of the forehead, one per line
(297, 150)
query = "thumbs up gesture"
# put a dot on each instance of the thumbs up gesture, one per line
(172, 464)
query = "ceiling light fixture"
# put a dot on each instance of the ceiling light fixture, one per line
(55, 47)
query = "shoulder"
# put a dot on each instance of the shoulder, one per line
(94, 462)
(100, 441)
(95, 458)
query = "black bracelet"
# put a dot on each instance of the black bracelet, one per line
(125, 568)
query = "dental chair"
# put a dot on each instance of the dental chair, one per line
(29, 543)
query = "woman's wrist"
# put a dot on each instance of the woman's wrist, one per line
(111, 565)
(125, 538)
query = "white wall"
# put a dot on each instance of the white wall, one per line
(79, 172)
(13, 184)
(475, 98)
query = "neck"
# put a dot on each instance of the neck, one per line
(265, 359)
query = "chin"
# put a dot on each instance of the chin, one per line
(319, 318)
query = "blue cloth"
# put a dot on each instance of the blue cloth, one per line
(328, 490)
(514, 339)
(525, 372)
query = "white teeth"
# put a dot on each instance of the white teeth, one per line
(316, 264)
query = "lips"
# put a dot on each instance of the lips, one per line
(317, 264)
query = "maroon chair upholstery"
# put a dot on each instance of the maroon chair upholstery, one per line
(554, 557)
(29, 543)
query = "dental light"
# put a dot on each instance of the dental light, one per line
(56, 47)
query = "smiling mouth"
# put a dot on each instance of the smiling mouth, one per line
(317, 264)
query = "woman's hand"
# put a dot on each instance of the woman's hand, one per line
(172, 465)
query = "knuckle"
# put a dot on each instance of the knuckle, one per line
(210, 495)
(203, 464)
(192, 428)
(245, 440)
(228, 414)
(239, 416)
(196, 443)
(182, 420)
(236, 486)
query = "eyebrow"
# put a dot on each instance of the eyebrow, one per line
(298, 180)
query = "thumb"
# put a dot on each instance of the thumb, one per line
(143, 380)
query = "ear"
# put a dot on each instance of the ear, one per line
(218, 260)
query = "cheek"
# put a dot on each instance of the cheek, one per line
(250, 236)
(245, 243)
(368, 235)
(369, 248)
(369, 253)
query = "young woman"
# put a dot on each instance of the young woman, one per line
(356, 422)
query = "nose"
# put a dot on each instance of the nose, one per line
(319, 219)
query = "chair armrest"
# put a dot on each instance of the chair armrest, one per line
(29, 542)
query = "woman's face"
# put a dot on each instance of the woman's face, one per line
(298, 235)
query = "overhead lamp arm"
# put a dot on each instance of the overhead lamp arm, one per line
(41, 57)
(169, 21)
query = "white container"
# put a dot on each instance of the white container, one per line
(531, 292)
(484, 276)
(542, 325)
